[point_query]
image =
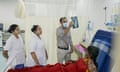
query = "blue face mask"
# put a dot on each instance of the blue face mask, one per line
(65, 25)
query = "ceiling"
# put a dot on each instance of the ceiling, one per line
(51, 1)
(8, 0)
(49, 7)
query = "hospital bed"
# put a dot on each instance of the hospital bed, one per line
(103, 41)
(77, 66)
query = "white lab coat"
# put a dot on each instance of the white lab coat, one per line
(37, 45)
(15, 48)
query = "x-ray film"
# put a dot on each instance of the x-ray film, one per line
(75, 21)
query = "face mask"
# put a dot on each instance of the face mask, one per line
(65, 25)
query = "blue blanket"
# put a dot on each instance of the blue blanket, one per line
(103, 41)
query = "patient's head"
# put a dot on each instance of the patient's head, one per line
(91, 66)
(93, 53)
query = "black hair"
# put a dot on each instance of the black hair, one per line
(12, 28)
(61, 19)
(93, 53)
(34, 28)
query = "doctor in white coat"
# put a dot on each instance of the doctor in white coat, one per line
(37, 53)
(14, 47)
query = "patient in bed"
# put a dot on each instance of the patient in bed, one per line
(93, 53)
(86, 64)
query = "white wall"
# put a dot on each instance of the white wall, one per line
(116, 55)
(49, 19)
(7, 13)
(49, 25)
(84, 9)
(94, 10)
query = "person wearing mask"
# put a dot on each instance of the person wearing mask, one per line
(37, 52)
(64, 40)
(14, 47)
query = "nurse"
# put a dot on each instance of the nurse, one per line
(14, 47)
(37, 52)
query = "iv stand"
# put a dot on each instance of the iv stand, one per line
(105, 8)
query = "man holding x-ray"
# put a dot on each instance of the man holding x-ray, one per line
(64, 40)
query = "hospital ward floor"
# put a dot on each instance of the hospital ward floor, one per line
(2, 61)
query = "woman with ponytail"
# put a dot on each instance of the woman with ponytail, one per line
(14, 47)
